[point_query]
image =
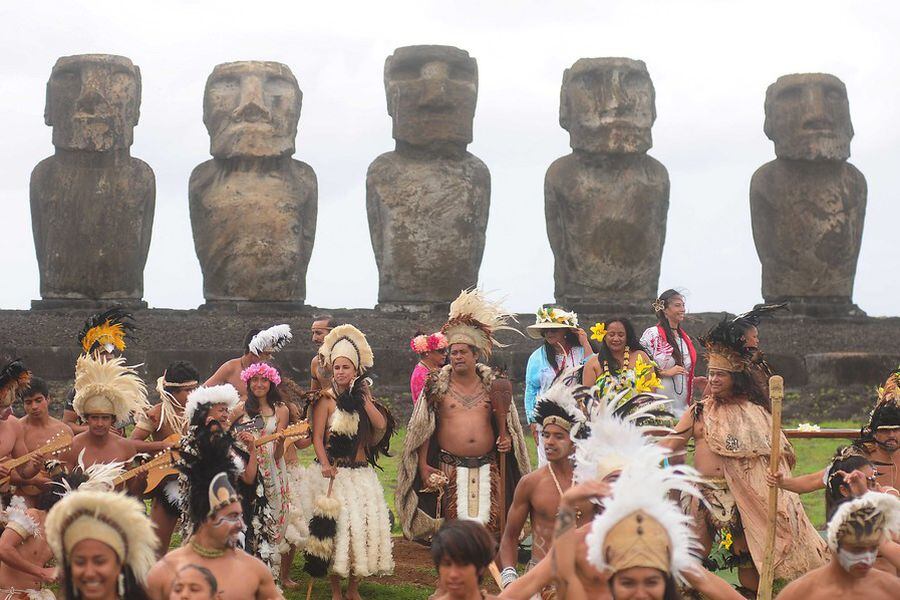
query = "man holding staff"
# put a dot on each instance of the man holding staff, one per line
(732, 428)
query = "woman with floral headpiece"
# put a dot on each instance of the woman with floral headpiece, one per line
(565, 346)
(432, 351)
(264, 411)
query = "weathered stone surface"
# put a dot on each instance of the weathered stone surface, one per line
(428, 200)
(253, 207)
(92, 203)
(606, 203)
(808, 205)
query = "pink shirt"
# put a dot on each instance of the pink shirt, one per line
(417, 381)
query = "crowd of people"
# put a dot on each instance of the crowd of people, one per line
(650, 477)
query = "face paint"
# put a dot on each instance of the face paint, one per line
(849, 560)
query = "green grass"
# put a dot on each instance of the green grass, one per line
(812, 455)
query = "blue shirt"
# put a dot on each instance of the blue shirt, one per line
(539, 374)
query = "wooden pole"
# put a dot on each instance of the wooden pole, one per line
(766, 578)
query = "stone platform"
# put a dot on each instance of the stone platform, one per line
(830, 366)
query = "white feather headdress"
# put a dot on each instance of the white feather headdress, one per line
(349, 342)
(561, 401)
(642, 527)
(473, 320)
(617, 439)
(99, 477)
(214, 394)
(871, 515)
(117, 520)
(271, 340)
(108, 386)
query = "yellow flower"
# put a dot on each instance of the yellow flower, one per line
(648, 383)
(598, 332)
(726, 540)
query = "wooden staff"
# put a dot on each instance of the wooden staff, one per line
(776, 393)
(501, 398)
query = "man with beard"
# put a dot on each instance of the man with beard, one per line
(214, 514)
(880, 438)
(731, 428)
(538, 494)
(38, 428)
(450, 466)
(259, 346)
(855, 533)
(319, 376)
(13, 378)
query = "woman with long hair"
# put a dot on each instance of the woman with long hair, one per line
(566, 346)
(620, 349)
(672, 349)
(264, 411)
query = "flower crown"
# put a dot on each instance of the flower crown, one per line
(428, 343)
(261, 368)
(557, 315)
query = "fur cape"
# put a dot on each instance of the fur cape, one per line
(415, 510)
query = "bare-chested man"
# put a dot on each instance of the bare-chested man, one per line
(230, 371)
(24, 553)
(731, 428)
(13, 378)
(38, 428)
(855, 533)
(539, 493)
(450, 466)
(213, 545)
(163, 420)
(319, 376)
(107, 390)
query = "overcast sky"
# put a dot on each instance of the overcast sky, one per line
(710, 63)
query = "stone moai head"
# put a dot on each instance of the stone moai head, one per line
(251, 109)
(431, 94)
(808, 117)
(608, 105)
(93, 102)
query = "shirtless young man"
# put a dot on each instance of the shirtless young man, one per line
(230, 371)
(24, 553)
(731, 428)
(319, 376)
(855, 533)
(165, 419)
(107, 390)
(213, 545)
(539, 493)
(462, 552)
(38, 428)
(14, 377)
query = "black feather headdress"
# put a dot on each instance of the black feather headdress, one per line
(752, 317)
(109, 329)
(205, 452)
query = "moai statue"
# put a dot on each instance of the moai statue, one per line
(253, 207)
(606, 203)
(92, 203)
(808, 205)
(428, 200)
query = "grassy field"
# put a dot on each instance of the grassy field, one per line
(812, 455)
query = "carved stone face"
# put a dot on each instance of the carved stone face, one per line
(93, 102)
(251, 109)
(608, 106)
(431, 94)
(808, 117)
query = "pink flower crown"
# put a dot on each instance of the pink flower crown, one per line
(428, 343)
(261, 368)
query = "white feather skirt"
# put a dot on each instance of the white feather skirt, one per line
(363, 545)
(306, 484)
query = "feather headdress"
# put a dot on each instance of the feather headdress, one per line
(725, 348)
(108, 387)
(473, 320)
(752, 317)
(271, 340)
(99, 477)
(206, 396)
(117, 520)
(890, 391)
(13, 377)
(108, 331)
(618, 435)
(349, 342)
(642, 527)
(865, 520)
(560, 406)
(17, 518)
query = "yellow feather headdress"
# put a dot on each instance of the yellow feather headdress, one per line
(108, 387)
(473, 320)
